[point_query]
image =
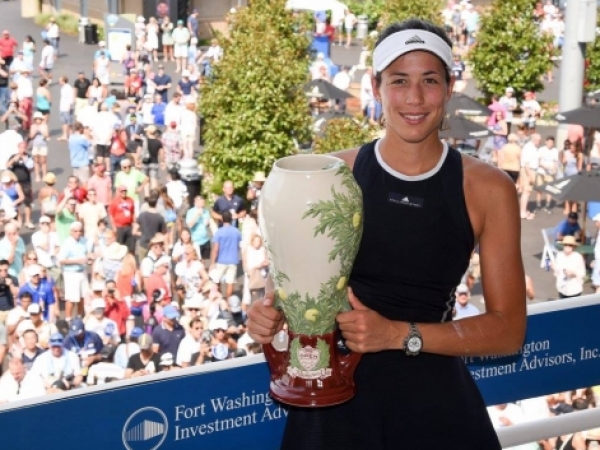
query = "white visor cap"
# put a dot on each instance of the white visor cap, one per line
(402, 42)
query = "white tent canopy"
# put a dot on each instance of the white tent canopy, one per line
(315, 5)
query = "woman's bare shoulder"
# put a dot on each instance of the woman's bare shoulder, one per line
(486, 189)
(348, 155)
(477, 172)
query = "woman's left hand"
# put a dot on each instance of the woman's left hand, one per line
(365, 330)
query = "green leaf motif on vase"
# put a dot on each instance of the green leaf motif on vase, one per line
(340, 219)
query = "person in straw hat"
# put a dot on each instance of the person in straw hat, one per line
(254, 187)
(569, 269)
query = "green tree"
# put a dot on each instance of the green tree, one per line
(592, 72)
(400, 10)
(254, 106)
(339, 134)
(510, 50)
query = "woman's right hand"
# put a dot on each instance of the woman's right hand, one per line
(264, 321)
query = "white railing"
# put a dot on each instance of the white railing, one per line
(542, 429)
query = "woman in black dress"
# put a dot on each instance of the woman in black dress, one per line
(425, 208)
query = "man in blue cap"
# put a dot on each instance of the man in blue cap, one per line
(58, 367)
(87, 344)
(169, 334)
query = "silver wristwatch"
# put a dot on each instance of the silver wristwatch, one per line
(413, 343)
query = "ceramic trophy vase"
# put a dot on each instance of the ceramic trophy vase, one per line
(310, 215)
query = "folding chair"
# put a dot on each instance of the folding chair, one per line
(550, 249)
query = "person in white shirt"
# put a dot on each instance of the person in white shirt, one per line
(190, 344)
(9, 143)
(462, 307)
(18, 384)
(318, 67)
(212, 55)
(53, 35)
(550, 9)
(546, 172)
(337, 22)
(176, 189)
(187, 125)
(47, 61)
(102, 133)
(45, 244)
(36, 322)
(66, 107)
(531, 110)
(510, 104)
(174, 109)
(87, 114)
(181, 36)
(58, 368)
(569, 269)
(341, 80)
(529, 166)
(25, 86)
(350, 21)
(558, 31)
(146, 110)
(18, 66)
(366, 91)
(103, 326)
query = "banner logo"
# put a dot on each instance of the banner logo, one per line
(146, 429)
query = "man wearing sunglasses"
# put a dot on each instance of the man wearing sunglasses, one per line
(191, 342)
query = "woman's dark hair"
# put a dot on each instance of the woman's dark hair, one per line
(188, 232)
(414, 24)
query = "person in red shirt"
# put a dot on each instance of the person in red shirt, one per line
(8, 45)
(133, 85)
(122, 215)
(116, 308)
(78, 192)
(155, 282)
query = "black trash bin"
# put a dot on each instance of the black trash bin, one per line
(91, 33)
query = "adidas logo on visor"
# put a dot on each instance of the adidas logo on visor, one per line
(414, 40)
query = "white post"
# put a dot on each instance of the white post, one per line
(572, 67)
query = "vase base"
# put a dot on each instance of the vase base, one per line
(311, 398)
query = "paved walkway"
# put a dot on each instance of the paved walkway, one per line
(79, 56)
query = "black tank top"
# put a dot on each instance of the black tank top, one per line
(417, 238)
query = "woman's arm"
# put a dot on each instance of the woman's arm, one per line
(498, 331)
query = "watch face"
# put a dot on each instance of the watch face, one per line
(414, 344)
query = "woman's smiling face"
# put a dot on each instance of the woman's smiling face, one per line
(413, 92)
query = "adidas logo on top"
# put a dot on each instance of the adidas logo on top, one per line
(414, 40)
